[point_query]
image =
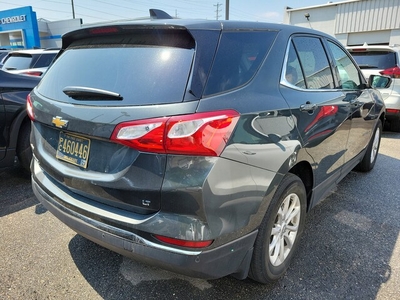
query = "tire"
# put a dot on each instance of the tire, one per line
(24, 151)
(281, 228)
(369, 159)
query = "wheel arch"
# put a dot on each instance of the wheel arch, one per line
(16, 127)
(303, 170)
(382, 118)
(13, 136)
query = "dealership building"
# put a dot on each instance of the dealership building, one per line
(353, 23)
(19, 28)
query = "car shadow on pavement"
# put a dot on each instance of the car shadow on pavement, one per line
(116, 277)
(16, 192)
(391, 135)
(345, 252)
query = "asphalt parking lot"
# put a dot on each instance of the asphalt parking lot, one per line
(350, 249)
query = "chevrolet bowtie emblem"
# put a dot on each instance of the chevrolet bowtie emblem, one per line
(59, 122)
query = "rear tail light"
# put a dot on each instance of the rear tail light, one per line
(104, 30)
(392, 111)
(183, 243)
(194, 134)
(29, 107)
(392, 72)
(358, 50)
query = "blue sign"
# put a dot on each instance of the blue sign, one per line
(24, 20)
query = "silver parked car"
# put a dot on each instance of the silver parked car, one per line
(384, 60)
(29, 62)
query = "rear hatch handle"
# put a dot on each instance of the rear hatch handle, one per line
(88, 93)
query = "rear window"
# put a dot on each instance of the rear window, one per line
(18, 62)
(375, 59)
(239, 56)
(144, 68)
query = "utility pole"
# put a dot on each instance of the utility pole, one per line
(73, 9)
(226, 9)
(217, 11)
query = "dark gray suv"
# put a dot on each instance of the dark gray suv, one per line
(199, 146)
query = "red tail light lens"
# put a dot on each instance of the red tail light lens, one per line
(184, 243)
(392, 72)
(104, 30)
(358, 50)
(29, 107)
(194, 134)
(33, 73)
(144, 135)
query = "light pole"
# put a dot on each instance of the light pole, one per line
(226, 9)
(73, 9)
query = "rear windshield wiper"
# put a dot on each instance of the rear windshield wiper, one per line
(366, 66)
(87, 93)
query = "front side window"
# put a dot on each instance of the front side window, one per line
(314, 63)
(349, 77)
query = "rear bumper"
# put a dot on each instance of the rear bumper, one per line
(392, 104)
(391, 96)
(392, 115)
(230, 258)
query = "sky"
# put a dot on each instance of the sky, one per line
(92, 11)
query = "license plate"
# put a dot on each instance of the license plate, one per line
(73, 149)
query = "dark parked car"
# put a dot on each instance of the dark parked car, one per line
(15, 125)
(191, 149)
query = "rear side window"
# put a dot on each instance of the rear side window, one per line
(375, 59)
(293, 72)
(238, 57)
(44, 60)
(314, 63)
(143, 68)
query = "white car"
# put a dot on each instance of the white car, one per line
(29, 62)
(383, 60)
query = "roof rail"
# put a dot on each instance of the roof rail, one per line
(159, 14)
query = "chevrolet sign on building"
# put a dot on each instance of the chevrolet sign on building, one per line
(19, 28)
(14, 19)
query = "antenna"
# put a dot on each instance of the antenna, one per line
(159, 14)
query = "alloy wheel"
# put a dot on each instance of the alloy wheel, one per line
(285, 229)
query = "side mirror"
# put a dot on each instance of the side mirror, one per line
(379, 81)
